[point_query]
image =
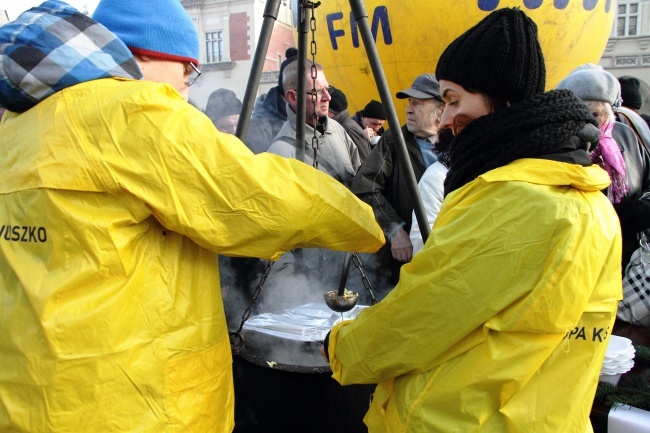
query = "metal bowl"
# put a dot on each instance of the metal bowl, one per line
(341, 303)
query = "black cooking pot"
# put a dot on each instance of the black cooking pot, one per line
(291, 389)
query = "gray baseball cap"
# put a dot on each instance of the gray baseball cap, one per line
(425, 86)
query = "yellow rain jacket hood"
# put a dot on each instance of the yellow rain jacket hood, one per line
(115, 197)
(500, 323)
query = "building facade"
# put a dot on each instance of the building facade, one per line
(229, 31)
(628, 49)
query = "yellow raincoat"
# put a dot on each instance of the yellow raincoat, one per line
(500, 324)
(115, 196)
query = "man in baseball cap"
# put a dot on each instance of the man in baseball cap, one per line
(381, 182)
(425, 86)
(424, 102)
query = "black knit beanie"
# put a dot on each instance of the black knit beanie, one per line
(500, 56)
(631, 92)
(374, 110)
(339, 101)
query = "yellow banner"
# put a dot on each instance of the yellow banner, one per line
(412, 34)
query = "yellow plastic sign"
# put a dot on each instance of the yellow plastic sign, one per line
(412, 34)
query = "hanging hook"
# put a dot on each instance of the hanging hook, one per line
(310, 5)
(236, 341)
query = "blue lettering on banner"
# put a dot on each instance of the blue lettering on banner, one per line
(588, 5)
(560, 4)
(330, 28)
(379, 18)
(23, 234)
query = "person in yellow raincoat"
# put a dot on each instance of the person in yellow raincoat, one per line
(115, 196)
(500, 324)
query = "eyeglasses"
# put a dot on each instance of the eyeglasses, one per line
(194, 75)
(319, 92)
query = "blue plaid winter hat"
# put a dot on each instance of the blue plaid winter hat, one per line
(53, 46)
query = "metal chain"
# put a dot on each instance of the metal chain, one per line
(249, 310)
(315, 147)
(258, 290)
(315, 144)
(364, 279)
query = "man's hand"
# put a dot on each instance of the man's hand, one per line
(400, 246)
(370, 133)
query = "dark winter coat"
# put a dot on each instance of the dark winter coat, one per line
(381, 181)
(266, 121)
(356, 133)
(635, 121)
(357, 118)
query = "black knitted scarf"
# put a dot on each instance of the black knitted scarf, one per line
(542, 125)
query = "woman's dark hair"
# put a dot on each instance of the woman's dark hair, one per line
(443, 144)
(494, 103)
(444, 139)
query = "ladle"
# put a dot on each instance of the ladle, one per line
(339, 301)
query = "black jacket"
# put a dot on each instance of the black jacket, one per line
(356, 133)
(266, 121)
(636, 122)
(357, 118)
(381, 181)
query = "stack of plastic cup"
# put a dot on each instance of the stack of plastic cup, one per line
(619, 359)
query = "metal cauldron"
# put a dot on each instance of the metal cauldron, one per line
(287, 383)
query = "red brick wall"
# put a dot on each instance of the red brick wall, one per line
(239, 37)
(281, 39)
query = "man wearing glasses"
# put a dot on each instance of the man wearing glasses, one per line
(312, 269)
(162, 57)
(336, 155)
(116, 196)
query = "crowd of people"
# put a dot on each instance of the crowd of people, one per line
(121, 201)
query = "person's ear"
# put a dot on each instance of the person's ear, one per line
(142, 58)
(142, 62)
(292, 97)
